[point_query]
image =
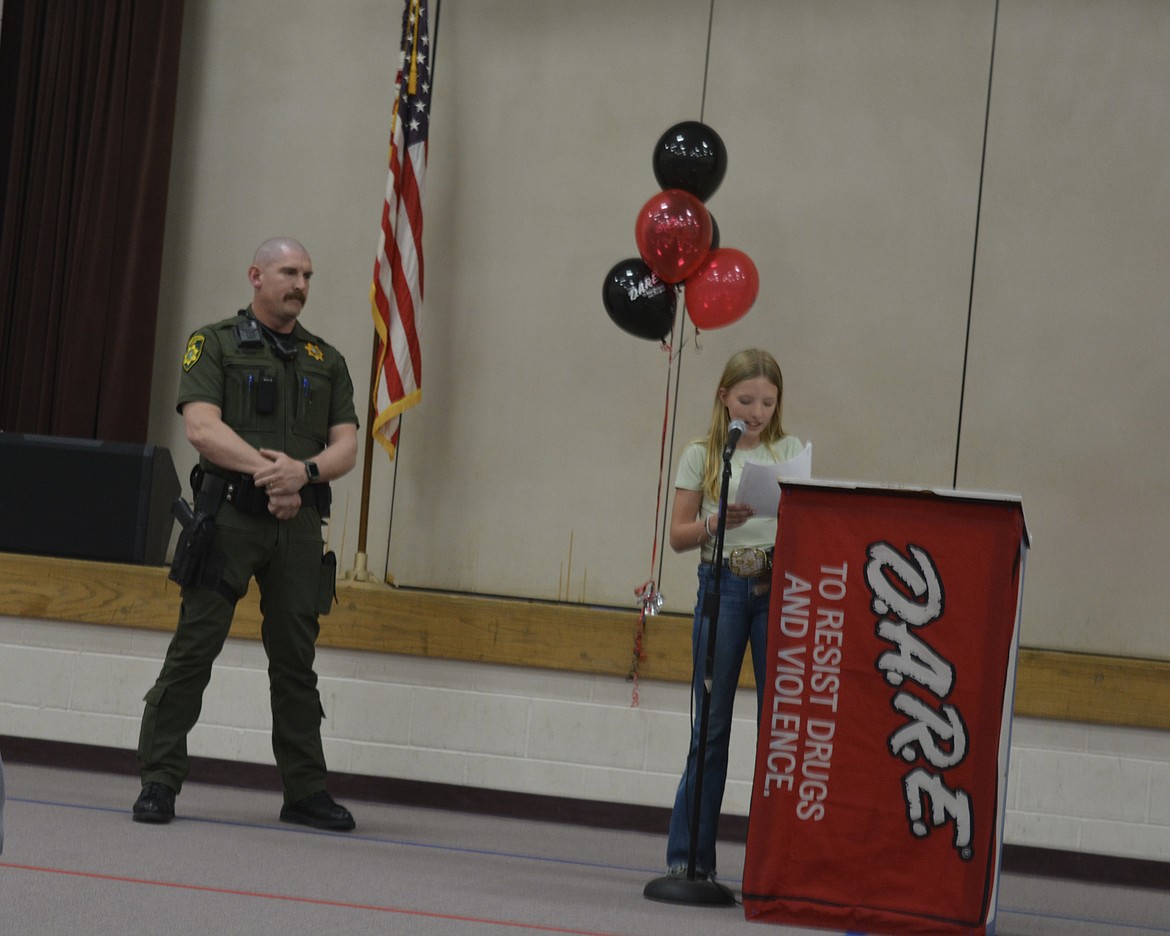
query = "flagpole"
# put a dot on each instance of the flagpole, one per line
(360, 571)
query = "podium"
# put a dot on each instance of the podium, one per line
(881, 763)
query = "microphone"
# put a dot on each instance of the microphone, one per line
(734, 431)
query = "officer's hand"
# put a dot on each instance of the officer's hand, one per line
(284, 506)
(282, 475)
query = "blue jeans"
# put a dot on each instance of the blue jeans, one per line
(743, 619)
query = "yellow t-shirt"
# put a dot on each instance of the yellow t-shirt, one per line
(758, 531)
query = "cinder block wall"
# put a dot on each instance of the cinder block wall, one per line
(1073, 787)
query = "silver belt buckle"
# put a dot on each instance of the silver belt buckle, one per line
(748, 562)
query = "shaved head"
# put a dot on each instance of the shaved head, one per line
(274, 248)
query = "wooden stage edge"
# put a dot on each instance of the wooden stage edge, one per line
(1075, 687)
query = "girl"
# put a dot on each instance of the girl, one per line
(750, 390)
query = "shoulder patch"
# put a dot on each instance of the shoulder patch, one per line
(194, 349)
(314, 352)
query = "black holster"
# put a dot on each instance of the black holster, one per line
(195, 562)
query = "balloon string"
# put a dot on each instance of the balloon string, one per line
(648, 593)
(677, 381)
(707, 61)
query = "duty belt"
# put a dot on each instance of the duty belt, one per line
(241, 493)
(749, 562)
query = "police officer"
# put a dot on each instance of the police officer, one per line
(269, 407)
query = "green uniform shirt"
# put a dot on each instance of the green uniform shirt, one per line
(288, 406)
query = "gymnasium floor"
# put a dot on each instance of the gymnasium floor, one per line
(75, 863)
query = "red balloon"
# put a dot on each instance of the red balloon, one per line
(722, 289)
(674, 234)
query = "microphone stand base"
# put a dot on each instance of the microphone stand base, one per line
(681, 890)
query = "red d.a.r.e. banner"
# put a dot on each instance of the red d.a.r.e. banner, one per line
(881, 764)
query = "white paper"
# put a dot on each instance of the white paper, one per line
(759, 485)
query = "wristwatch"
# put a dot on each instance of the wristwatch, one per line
(313, 472)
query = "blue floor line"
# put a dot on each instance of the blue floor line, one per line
(293, 829)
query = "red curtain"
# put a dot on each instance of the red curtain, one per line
(87, 106)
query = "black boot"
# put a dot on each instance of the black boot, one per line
(319, 811)
(156, 803)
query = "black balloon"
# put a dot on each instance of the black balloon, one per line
(714, 233)
(690, 156)
(638, 301)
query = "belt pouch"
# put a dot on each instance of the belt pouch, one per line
(249, 499)
(327, 584)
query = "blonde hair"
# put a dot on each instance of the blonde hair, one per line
(742, 366)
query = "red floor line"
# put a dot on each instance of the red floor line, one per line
(307, 900)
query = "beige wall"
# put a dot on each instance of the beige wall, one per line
(855, 136)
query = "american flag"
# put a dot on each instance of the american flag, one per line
(396, 295)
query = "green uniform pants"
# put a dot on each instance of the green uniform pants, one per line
(285, 558)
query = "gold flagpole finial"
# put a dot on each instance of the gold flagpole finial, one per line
(412, 81)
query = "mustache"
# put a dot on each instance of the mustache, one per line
(296, 294)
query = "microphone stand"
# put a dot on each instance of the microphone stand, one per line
(688, 890)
